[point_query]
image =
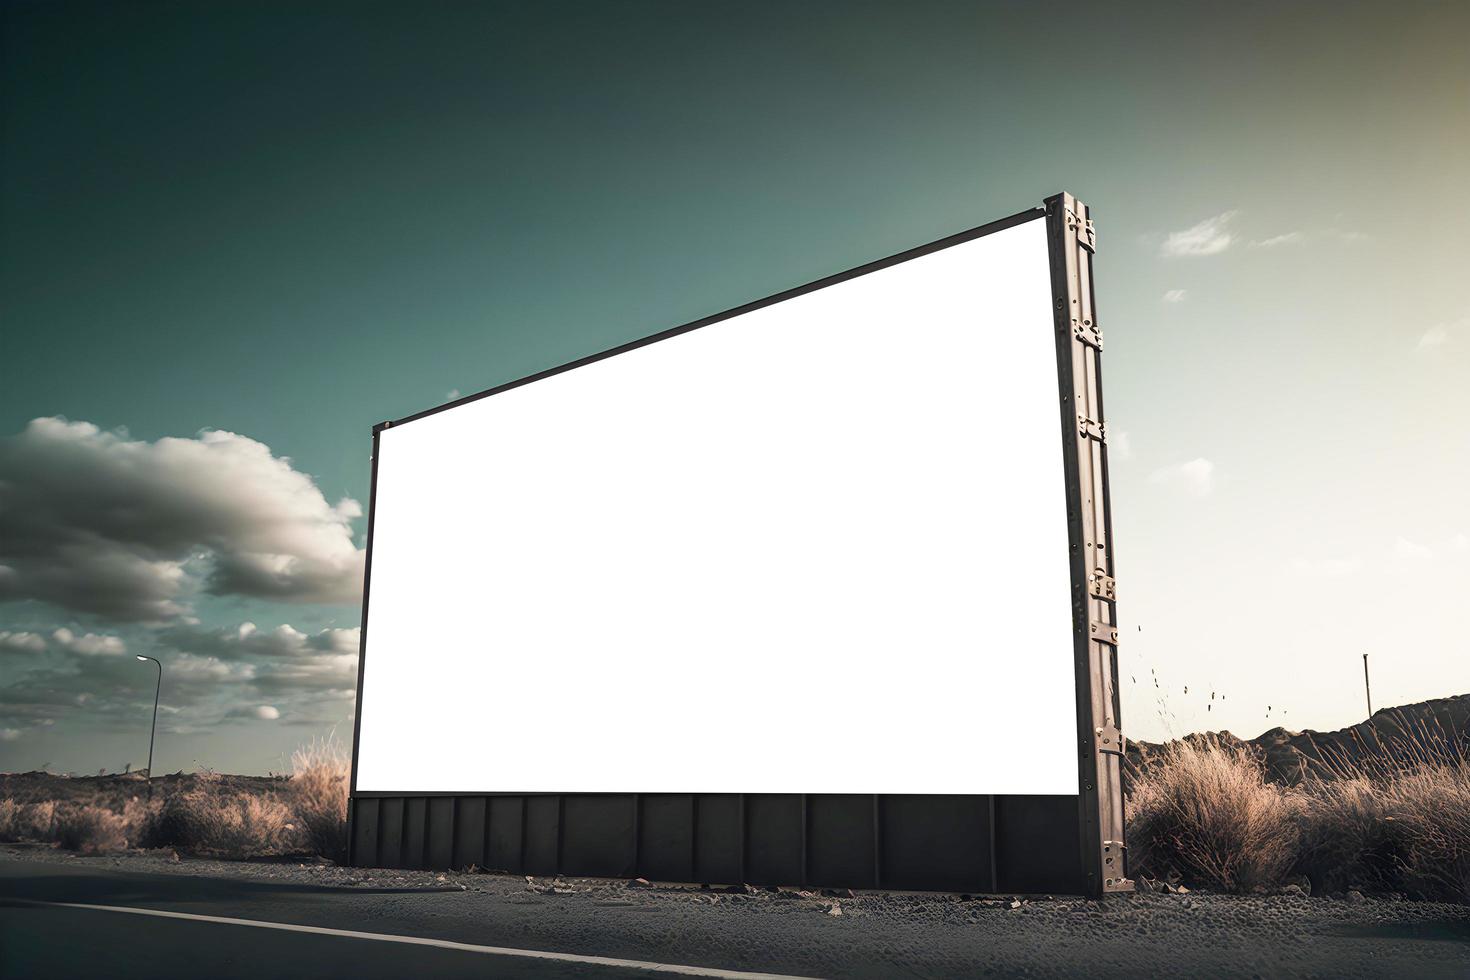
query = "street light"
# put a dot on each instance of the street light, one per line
(156, 690)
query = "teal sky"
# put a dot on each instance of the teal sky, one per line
(291, 221)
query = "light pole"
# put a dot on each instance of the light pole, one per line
(1367, 691)
(156, 691)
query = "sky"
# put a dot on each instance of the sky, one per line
(234, 236)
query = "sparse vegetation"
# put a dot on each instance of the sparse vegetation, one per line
(211, 819)
(318, 793)
(90, 829)
(1203, 811)
(26, 821)
(1393, 819)
(204, 814)
(1429, 830)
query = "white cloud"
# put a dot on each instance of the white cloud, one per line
(188, 669)
(1436, 336)
(23, 642)
(264, 712)
(1174, 296)
(90, 644)
(1328, 567)
(1407, 550)
(1275, 241)
(1460, 542)
(247, 642)
(1209, 237)
(334, 674)
(282, 661)
(1196, 476)
(96, 522)
(9, 734)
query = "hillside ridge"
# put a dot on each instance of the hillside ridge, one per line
(1401, 735)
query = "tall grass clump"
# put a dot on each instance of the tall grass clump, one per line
(1204, 812)
(1406, 831)
(1390, 812)
(1393, 813)
(1428, 821)
(90, 829)
(210, 820)
(318, 791)
(1345, 834)
(26, 821)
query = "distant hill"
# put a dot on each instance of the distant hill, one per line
(1393, 736)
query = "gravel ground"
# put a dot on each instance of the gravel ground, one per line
(868, 933)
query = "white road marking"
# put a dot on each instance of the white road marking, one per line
(531, 954)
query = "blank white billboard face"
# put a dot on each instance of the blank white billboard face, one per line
(820, 547)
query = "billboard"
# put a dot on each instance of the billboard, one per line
(820, 546)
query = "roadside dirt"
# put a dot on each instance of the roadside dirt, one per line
(873, 933)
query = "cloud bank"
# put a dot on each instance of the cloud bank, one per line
(210, 676)
(95, 522)
(22, 642)
(89, 644)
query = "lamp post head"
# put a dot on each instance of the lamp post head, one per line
(141, 657)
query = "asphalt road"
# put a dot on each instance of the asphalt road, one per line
(873, 936)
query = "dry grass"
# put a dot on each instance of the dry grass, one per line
(90, 829)
(205, 814)
(1396, 820)
(1204, 812)
(318, 793)
(211, 819)
(1428, 816)
(78, 827)
(1410, 746)
(26, 821)
(1344, 835)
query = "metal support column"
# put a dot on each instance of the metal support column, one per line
(1094, 607)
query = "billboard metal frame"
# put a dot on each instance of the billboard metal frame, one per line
(971, 843)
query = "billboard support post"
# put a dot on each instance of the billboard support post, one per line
(352, 855)
(1089, 520)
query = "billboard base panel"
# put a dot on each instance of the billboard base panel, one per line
(953, 843)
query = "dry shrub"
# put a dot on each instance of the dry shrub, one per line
(1345, 842)
(27, 821)
(1428, 824)
(206, 819)
(318, 793)
(90, 829)
(1204, 811)
(1395, 819)
(138, 815)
